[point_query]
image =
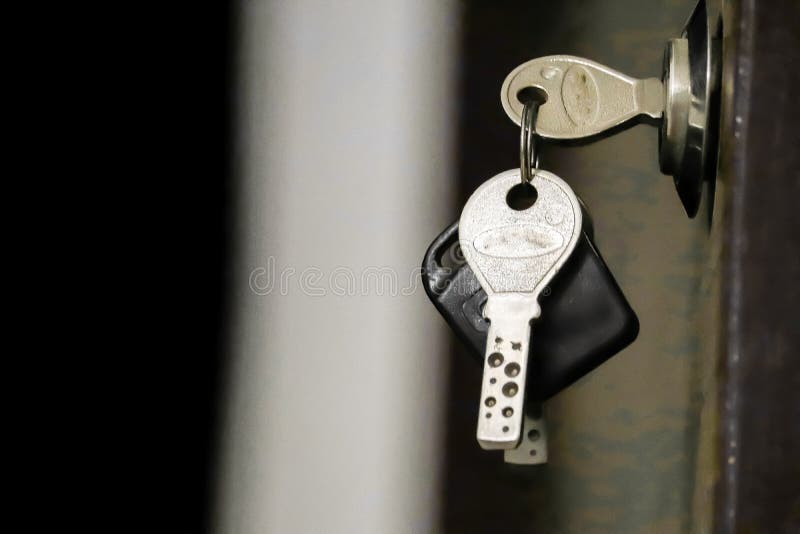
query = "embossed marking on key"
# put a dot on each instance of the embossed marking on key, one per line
(514, 255)
(584, 98)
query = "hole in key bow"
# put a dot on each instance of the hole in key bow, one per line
(521, 197)
(529, 95)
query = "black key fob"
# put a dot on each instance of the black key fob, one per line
(585, 318)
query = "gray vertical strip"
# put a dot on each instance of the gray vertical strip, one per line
(333, 408)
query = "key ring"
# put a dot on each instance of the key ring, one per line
(527, 142)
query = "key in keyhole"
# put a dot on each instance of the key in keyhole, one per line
(583, 97)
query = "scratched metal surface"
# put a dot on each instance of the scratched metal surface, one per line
(624, 439)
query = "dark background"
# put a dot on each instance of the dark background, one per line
(162, 84)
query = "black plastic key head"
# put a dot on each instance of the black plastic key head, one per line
(585, 317)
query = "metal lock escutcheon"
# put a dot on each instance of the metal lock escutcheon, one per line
(688, 136)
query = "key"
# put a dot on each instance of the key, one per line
(585, 319)
(532, 448)
(514, 254)
(584, 98)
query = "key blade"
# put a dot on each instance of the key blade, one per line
(505, 369)
(584, 98)
(532, 448)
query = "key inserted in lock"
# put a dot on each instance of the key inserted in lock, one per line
(586, 99)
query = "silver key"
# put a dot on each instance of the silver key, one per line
(514, 255)
(584, 98)
(532, 448)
